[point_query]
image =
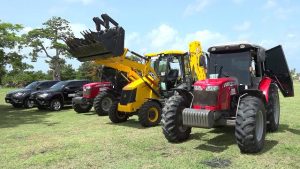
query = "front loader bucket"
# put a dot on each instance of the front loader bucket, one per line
(277, 67)
(100, 44)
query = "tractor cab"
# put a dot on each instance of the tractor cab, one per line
(169, 66)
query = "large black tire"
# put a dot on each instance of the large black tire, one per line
(250, 129)
(150, 113)
(17, 105)
(82, 108)
(273, 109)
(172, 125)
(28, 104)
(103, 103)
(56, 105)
(114, 115)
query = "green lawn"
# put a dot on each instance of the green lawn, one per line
(44, 139)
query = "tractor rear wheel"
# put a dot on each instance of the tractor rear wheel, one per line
(150, 114)
(103, 103)
(250, 129)
(114, 115)
(273, 109)
(172, 127)
(82, 108)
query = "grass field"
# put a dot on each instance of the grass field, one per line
(44, 139)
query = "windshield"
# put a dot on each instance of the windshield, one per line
(32, 85)
(59, 85)
(231, 64)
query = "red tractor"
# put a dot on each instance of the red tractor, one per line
(96, 94)
(84, 103)
(242, 90)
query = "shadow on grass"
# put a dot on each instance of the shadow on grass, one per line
(224, 139)
(285, 127)
(13, 117)
(131, 123)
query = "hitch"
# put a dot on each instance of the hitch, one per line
(100, 44)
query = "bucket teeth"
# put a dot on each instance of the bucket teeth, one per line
(99, 44)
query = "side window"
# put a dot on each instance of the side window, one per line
(43, 86)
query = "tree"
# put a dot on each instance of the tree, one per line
(10, 43)
(67, 72)
(49, 41)
(88, 70)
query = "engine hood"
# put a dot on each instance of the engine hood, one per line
(215, 82)
(97, 84)
(20, 91)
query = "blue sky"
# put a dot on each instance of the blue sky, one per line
(171, 24)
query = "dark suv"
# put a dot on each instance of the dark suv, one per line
(20, 98)
(58, 95)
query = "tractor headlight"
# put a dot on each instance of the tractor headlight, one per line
(212, 88)
(19, 94)
(199, 88)
(43, 95)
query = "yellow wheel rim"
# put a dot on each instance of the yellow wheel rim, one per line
(152, 114)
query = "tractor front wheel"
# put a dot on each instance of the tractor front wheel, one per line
(150, 114)
(82, 108)
(103, 103)
(250, 129)
(273, 109)
(114, 115)
(172, 127)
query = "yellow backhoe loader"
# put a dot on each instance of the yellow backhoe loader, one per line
(148, 85)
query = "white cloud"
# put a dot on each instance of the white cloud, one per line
(243, 26)
(162, 35)
(196, 6)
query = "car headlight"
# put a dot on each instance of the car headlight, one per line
(212, 88)
(198, 88)
(43, 95)
(19, 94)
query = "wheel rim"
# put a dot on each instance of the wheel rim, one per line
(84, 106)
(259, 125)
(106, 103)
(120, 115)
(29, 104)
(56, 105)
(153, 114)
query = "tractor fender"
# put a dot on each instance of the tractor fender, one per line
(264, 87)
(255, 93)
(186, 94)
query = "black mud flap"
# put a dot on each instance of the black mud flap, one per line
(277, 67)
(99, 44)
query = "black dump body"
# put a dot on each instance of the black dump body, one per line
(272, 62)
(100, 43)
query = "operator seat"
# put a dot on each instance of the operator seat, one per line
(171, 78)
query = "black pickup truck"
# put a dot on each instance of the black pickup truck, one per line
(58, 95)
(20, 98)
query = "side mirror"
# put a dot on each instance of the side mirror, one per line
(38, 88)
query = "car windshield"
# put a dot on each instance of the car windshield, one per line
(59, 85)
(32, 85)
(232, 64)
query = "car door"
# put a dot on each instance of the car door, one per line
(277, 68)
